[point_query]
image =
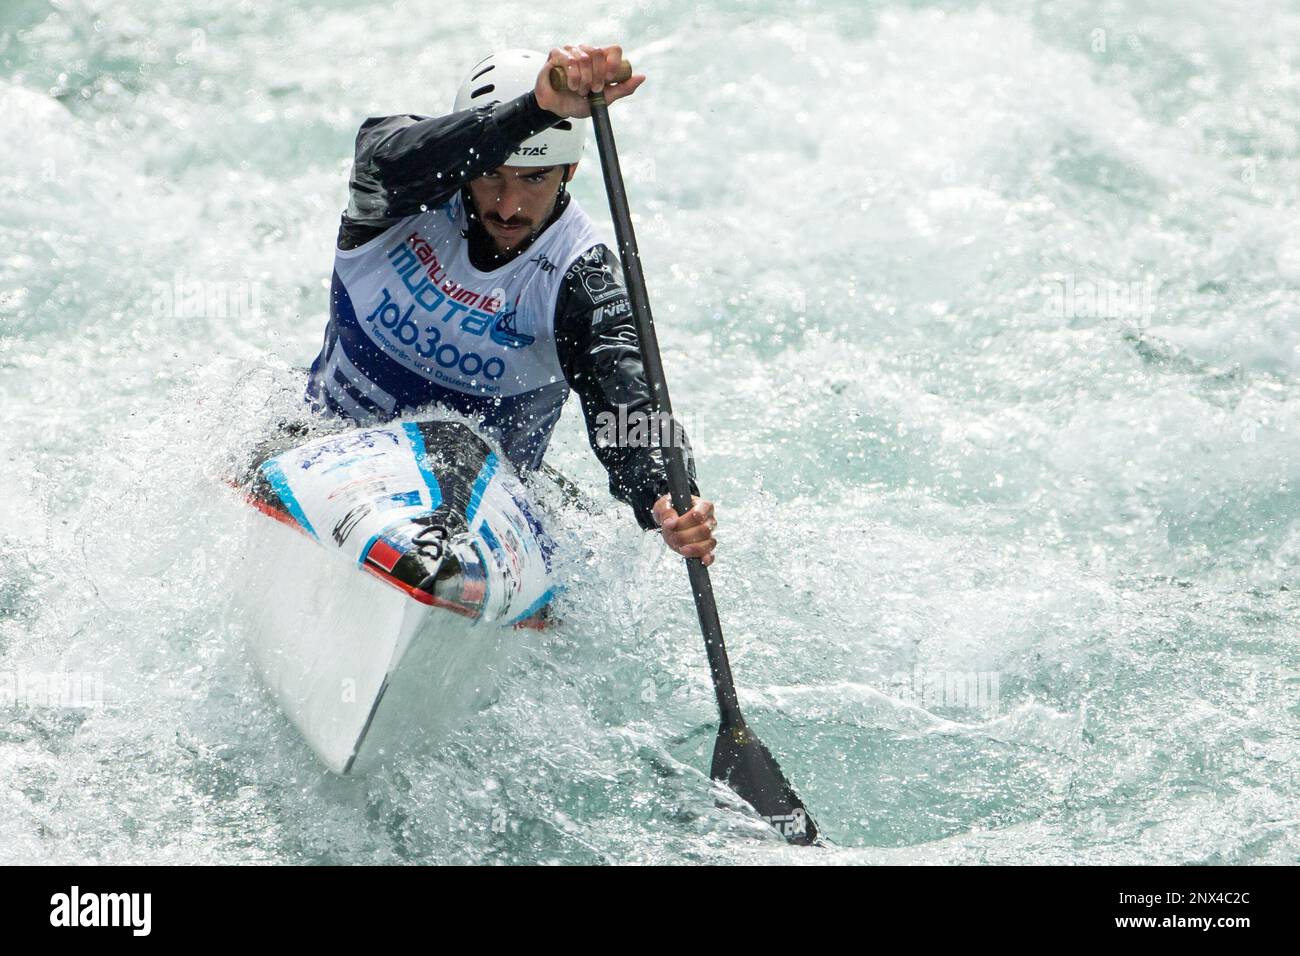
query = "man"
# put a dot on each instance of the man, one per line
(466, 275)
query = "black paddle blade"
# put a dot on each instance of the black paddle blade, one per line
(742, 762)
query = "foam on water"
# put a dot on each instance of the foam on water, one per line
(1008, 557)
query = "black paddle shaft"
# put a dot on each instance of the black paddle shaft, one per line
(740, 759)
(674, 458)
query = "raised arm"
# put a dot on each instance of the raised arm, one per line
(408, 163)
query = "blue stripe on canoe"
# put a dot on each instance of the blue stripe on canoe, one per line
(489, 538)
(536, 606)
(485, 475)
(274, 474)
(422, 462)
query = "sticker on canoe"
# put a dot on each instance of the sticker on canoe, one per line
(426, 506)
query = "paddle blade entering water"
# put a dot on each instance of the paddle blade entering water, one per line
(741, 761)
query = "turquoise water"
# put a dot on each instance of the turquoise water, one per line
(985, 319)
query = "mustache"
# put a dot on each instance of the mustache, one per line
(512, 221)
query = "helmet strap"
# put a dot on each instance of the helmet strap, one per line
(564, 179)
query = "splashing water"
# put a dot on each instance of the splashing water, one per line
(984, 319)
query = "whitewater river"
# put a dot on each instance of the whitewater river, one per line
(985, 321)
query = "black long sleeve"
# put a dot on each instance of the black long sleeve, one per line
(406, 163)
(600, 353)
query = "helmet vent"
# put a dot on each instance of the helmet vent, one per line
(505, 77)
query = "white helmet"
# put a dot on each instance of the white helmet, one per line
(511, 73)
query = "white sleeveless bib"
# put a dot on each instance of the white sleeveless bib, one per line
(422, 304)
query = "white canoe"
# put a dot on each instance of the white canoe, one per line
(386, 589)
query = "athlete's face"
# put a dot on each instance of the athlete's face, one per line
(513, 201)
